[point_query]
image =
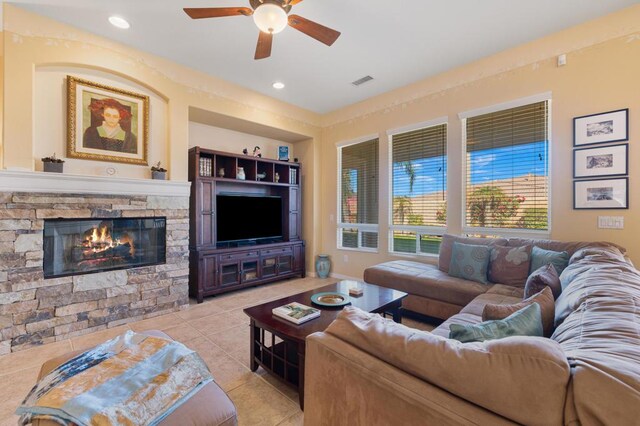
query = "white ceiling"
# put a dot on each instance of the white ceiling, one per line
(397, 42)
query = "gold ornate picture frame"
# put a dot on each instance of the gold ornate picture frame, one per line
(105, 123)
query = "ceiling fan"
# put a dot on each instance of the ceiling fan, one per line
(271, 17)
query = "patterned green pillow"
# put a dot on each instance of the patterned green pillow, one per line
(470, 262)
(525, 322)
(541, 257)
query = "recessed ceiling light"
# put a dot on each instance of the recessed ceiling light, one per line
(278, 85)
(119, 22)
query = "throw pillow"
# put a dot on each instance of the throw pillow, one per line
(470, 262)
(446, 247)
(541, 257)
(544, 299)
(544, 276)
(525, 322)
(510, 265)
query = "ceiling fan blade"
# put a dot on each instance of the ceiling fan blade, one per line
(319, 32)
(217, 12)
(293, 2)
(263, 49)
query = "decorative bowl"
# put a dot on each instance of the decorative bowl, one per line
(331, 298)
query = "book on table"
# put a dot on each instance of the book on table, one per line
(296, 312)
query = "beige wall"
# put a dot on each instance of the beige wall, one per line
(599, 77)
(1, 95)
(226, 140)
(602, 70)
(33, 43)
(39, 52)
(49, 121)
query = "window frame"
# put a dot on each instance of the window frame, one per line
(361, 227)
(436, 231)
(509, 232)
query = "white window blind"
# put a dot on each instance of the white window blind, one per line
(358, 189)
(418, 182)
(507, 184)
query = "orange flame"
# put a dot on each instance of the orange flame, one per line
(100, 240)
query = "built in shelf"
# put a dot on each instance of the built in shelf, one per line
(213, 269)
(223, 167)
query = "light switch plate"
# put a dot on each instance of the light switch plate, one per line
(611, 222)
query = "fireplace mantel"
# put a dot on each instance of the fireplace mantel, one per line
(24, 181)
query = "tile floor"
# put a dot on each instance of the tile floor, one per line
(217, 329)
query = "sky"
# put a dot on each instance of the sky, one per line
(486, 166)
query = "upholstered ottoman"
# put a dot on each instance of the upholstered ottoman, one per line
(210, 406)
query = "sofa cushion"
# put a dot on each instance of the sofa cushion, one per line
(541, 257)
(544, 298)
(504, 376)
(470, 262)
(569, 246)
(424, 280)
(446, 246)
(507, 290)
(476, 306)
(510, 265)
(525, 322)
(598, 318)
(544, 276)
(444, 329)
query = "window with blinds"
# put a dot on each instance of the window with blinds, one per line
(358, 189)
(507, 170)
(419, 190)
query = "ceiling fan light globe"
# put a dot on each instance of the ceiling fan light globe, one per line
(270, 18)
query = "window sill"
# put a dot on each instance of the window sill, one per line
(508, 233)
(362, 250)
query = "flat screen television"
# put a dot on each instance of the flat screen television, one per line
(244, 218)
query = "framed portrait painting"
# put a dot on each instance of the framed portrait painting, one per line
(106, 123)
(612, 126)
(601, 194)
(598, 162)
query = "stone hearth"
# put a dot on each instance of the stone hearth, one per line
(34, 310)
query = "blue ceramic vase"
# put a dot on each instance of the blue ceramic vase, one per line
(323, 265)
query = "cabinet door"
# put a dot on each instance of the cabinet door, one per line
(208, 268)
(206, 215)
(285, 264)
(269, 266)
(298, 257)
(229, 273)
(294, 214)
(250, 270)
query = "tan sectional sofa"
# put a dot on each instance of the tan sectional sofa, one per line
(434, 293)
(587, 373)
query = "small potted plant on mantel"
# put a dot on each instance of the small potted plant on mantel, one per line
(52, 164)
(158, 172)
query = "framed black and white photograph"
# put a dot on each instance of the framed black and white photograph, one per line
(612, 126)
(598, 162)
(601, 194)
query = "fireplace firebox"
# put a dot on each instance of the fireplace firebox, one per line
(81, 246)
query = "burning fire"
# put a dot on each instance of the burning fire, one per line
(100, 240)
(104, 235)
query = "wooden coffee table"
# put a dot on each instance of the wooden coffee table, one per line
(284, 356)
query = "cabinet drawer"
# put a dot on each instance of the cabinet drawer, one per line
(276, 251)
(239, 256)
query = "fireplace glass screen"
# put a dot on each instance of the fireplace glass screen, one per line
(79, 246)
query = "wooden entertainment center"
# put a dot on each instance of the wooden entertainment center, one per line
(220, 267)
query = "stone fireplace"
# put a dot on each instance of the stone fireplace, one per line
(81, 246)
(82, 254)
